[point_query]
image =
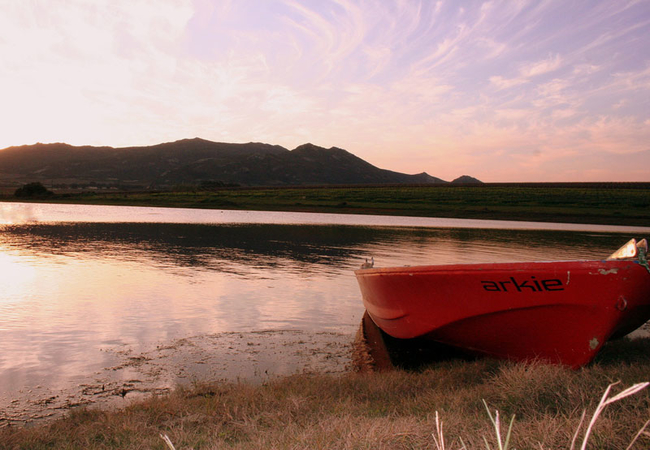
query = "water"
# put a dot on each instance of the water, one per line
(84, 287)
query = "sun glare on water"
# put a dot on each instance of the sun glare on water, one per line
(16, 276)
(16, 213)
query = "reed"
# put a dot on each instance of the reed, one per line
(502, 443)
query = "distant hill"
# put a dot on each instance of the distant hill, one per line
(192, 161)
(466, 179)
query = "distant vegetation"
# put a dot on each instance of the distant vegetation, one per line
(612, 203)
(32, 190)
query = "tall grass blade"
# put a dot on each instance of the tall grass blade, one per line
(512, 421)
(575, 435)
(497, 428)
(627, 392)
(168, 441)
(597, 412)
(604, 401)
(440, 440)
(639, 434)
(486, 443)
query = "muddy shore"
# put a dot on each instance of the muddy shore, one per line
(248, 357)
(256, 357)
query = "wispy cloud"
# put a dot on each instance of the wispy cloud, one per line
(498, 89)
(550, 64)
(505, 83)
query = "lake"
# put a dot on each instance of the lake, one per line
(103, 303)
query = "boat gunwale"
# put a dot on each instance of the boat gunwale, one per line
(486, 267)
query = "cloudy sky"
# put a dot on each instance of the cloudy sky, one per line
(504, 90)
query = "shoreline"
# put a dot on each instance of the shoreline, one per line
(509, 217)
(249, 358)
(255, 357)
(16, 213)
(389, 409)
(561, 203)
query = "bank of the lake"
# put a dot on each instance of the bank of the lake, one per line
(389, 410)
(608, 203)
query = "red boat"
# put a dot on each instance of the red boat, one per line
(560, 312)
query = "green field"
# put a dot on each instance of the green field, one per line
(617, 203)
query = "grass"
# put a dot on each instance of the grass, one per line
(387, 410)
(615, 204)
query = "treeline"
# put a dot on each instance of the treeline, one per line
(96, 185)
(93, 185)
(35, 189)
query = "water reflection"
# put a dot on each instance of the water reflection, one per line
(307, 249)
(234, 249)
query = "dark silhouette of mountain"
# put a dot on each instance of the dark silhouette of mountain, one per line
(466, 179)
(192, 161)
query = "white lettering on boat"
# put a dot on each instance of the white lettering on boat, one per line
(531, 284)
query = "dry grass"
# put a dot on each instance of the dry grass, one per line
(391, 410)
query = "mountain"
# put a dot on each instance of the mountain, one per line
(191, 161)
(466, 179)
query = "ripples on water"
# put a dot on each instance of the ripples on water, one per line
(73, 288)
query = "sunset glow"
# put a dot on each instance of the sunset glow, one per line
(500, 90)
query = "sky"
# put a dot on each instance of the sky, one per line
(502, 90)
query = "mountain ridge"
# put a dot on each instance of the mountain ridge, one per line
(192, 161)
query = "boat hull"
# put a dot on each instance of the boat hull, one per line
(560, 312)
